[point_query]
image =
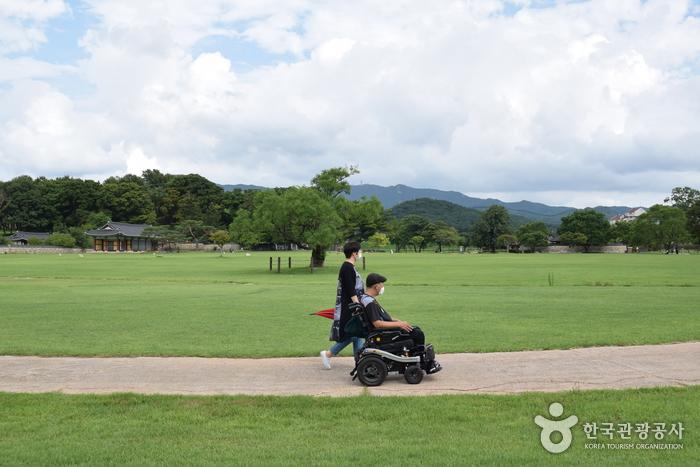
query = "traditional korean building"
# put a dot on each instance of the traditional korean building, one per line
(120, 236)
(22, 238)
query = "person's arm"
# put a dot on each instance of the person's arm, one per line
(379, 324)
(347, 283)
(375, 317)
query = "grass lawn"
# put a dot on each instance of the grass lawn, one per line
(129, 429)
(205, 305)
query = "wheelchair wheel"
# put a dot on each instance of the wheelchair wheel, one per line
(413, 374)
(371, 371)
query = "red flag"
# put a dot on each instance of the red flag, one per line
(325, 313)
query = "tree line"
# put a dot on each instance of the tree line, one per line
(192, 208)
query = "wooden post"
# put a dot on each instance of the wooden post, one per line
(290, 262)
(364, 264)
(270, 263)
(279, 262)
(311, 266)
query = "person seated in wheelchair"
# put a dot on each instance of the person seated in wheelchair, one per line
(379, 320)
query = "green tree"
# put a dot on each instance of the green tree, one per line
(220, 237)
(588, 222)
(332, 182)
(661, 227)
(688, 199)
(61, 239)
(243, 231)
(409, 227)
(444, 235)
(693, 216)
(165, 236)
(684, 197)
(28, 205)
(418, 242)
(621, 232)
(507, 241)
(533, 235)
(127, 200)
(494, 222)
(96, 220)
(4, 202)
(361, 218)
(194, 230)
(573, 238)
(302, 216)
(378, 240)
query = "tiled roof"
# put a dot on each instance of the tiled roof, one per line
(19, 235)
(119, 228)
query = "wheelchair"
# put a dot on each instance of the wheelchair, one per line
(390, 350)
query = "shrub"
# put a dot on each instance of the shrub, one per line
(61, 239)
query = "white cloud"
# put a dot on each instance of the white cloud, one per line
(22, 22)
(597, 99)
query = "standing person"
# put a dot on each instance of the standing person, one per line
(350, 289)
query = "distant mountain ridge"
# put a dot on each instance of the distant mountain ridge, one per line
(457, 216)
(391, 196)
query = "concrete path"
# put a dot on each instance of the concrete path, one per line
(508, 372)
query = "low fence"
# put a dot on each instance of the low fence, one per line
(280, 264)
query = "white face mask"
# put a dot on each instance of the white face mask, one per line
(359, 254)
(381, 291)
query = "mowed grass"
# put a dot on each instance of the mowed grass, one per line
(129, 429)
(202, 304)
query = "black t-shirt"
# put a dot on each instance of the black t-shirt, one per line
(349, 284)
(374, 310)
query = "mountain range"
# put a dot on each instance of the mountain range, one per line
(391, 196)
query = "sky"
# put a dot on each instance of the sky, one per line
(577, 103)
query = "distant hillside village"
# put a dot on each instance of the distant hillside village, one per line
(157, 211)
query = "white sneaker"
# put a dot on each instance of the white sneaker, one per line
(326, 360)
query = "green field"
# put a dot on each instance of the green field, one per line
(129, 429)
(205, 305)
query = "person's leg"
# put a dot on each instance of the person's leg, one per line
(338, 346)
(357, 344)
(417, 335)
(334, 350)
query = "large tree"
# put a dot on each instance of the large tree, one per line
(688, 199)
(660, 227)
(243, 230)
(361, 218)
(28, 205)
(334, 181)
(127, 200)
(533, 235)
(588, 222)
(302, 216)
(493, 223)
(444, 234)
(409, 229)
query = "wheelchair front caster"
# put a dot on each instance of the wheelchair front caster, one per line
(413, 374)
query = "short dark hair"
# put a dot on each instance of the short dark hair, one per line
(373, 279)
(350, 248)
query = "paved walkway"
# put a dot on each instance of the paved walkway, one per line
(507, 372)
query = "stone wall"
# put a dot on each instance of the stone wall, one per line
(41, 249)
(580, 249)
